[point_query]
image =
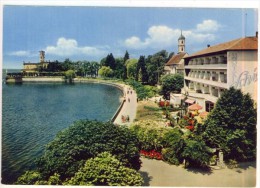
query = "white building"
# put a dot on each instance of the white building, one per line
(216, 68)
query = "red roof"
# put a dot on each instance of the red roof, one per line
(247, 43)
(176, 59)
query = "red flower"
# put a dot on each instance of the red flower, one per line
(191, 127)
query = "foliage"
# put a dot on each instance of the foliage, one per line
(70, 74)
(106, 170)
(29, 178)
(155, 66)
(196, 152)
(171, 83)
(141, 72)
(105, 71)
(83, 140)
(109, 61)
(173, 143)
(231, 126)
(131, 65)
(143, 91)
(119, 69)
(35, 178)
(150, 134)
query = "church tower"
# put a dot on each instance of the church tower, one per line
(42, 56)
(181, 44)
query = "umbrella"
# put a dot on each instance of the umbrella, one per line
(203, 114)
(195, 107)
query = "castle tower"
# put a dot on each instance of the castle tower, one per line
(42, 56)
(181, 44)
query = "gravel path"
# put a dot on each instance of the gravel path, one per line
(158, 173)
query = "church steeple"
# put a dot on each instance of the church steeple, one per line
(181, 43)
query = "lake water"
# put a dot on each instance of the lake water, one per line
(32, 114)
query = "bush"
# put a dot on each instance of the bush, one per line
(84, 140)
(106, 170)
(150, 134)
(173, 143)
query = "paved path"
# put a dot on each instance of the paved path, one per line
(129, 107)
(158, 173)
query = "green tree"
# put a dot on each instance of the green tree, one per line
(131, 65)
(231, 126)
(67, 65)
(173, 143)
(155, 66)
(196, 152)
(70, 74)
(126, 57)
(119, 70)
(171, 83)
(141, 70)
(67, 153)
(106, 170)
(109, 61)
(105, 71)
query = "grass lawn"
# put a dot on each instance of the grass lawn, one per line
(148, 110)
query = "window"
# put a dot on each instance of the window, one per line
(209, 106)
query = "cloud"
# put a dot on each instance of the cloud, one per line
(208, 26)
(157, 35)
(161, 36)
(69, 47)
(20, 53)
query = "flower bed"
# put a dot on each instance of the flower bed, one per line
(151, 154)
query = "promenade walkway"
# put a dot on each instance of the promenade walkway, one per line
(129, 107)
(159, 173)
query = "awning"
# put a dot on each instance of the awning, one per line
(189, 101)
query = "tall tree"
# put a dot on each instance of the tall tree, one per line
(155, 66)
(231, 126)
(126, 57)
(131, 68)
(110, 61)
(105, 71)
(141, 70)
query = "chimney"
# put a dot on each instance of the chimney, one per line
(208, 45)
(256, 34)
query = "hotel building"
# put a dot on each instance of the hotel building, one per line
(209, 72)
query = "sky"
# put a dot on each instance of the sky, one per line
(91, 33)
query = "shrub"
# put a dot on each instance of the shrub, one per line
(106, 170)
(86, 139)
(173, 143)
(150, 134)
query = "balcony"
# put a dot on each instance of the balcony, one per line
(207, 97)
(207, 82)
(207, 66)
